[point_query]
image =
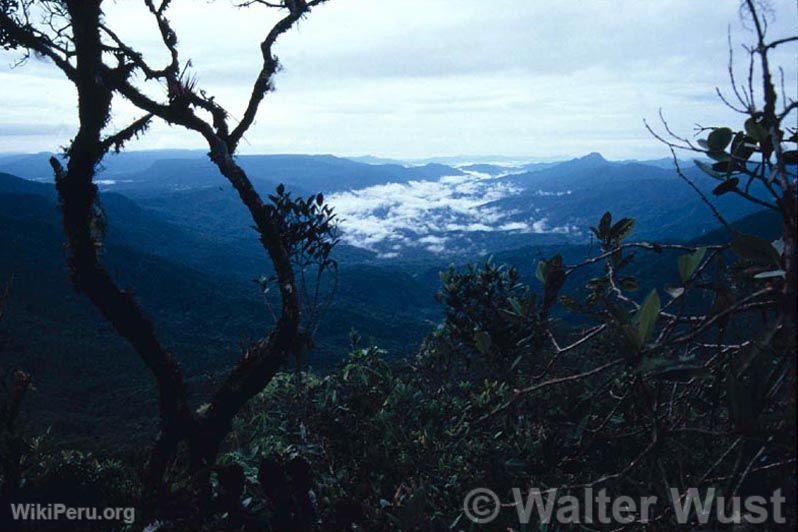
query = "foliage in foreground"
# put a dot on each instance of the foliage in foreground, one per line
(639, 393)
(399, 447)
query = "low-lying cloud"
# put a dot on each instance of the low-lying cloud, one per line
(426, 214)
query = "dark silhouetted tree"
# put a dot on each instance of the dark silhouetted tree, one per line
(73, 35)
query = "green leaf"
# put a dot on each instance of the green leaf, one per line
(622, 229)
(674, 291)
(555, 277)
(778, 244)
(629, 284)
(756, 130)
(596, 283)
(726, 186)
(754, 248)
(682, 373)
(723, 300)
(570, 303)
(515, 463)
(743, 146)
(483, 341)
(689, 263)
(540, 271)
(649, 364)
(516, 306)
(771, 274)
(755, 348)
(725, 167)
(707, 169)
(646, 317)
(604, 225)
(719, 138)
(720, 156)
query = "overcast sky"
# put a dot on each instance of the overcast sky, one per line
(419, 78)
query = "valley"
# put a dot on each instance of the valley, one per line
(177, 237)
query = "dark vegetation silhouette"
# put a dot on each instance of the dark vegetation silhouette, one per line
(11, 440)
(548, 385)
(74, 36)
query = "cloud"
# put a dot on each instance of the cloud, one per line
(514, 226)
(414, 78)
(431, 239)
(33, 130)
(397, 216)
(545, 193)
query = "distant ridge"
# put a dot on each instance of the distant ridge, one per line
(170, 170)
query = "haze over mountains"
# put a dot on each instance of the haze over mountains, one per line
(178, 236)
(419, 211)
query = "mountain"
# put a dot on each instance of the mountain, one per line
(460, 160)
(129, 224)
(178, 236)
(663, 162)
(535, 167)
(36, 166)
(147, 172)
(651, 269)
(576, 193)
(590, 169)
(491, 169)
(371, 159)
(302, 174)
(11, 184)
(489, 211)
(424, 214)
(197, 287)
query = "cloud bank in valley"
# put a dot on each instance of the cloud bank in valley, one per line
(426, 214)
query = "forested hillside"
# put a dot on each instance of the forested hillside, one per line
(194, 269)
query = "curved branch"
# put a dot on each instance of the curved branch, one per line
(78, 196)
(263, 84)
(29, 39)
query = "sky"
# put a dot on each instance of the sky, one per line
(423, 78)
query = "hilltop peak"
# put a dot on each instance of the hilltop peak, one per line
(590, 160)
(594, 156)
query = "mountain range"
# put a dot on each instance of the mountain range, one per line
(178, 237)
